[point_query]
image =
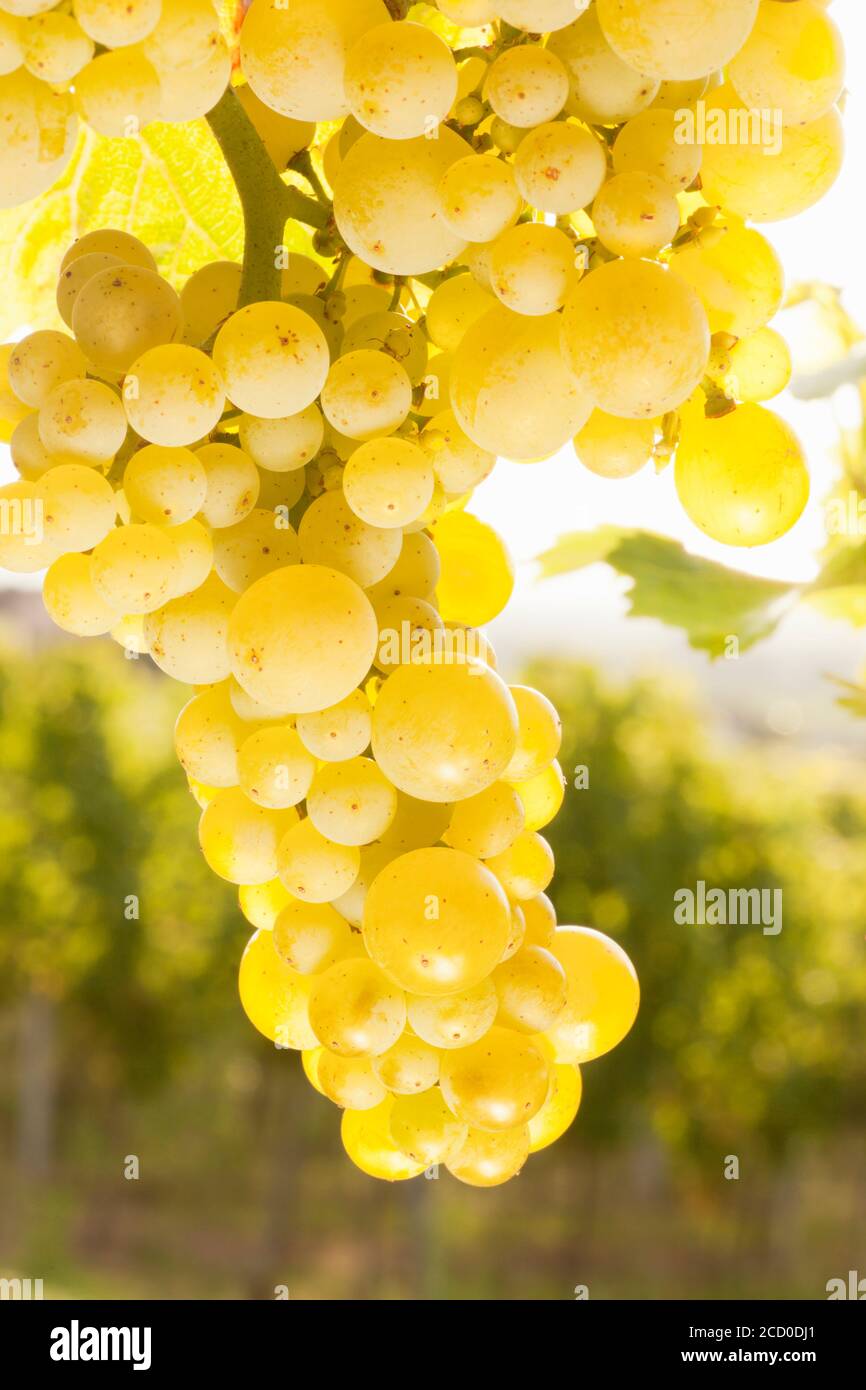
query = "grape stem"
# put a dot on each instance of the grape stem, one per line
(267, 203)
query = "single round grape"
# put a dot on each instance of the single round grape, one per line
(454, 1020)
(539, 735)
(603, 995)
(453, 308)
(118, 93)
(195, 554)
(527, 85)
(526, 867)
(165, 486)
(532, 268)
(113, 24)
(488, 1160)
(331, 534)
(109, 241)
(274, 768)
(459, 465)
(416, 571)
(741, 478)
(173, 395)
(79, 506)
(350, 1082)
(283, 445)
(254, 547)
(366, 1136)
(71, 601)
(477, 577)
(340, 732)
(232, 484)
(294, 57)
(24, 546)
(39, 127)
(488, 823)
(355, 1010)
(41, 362)
(76, 276)
(128, 633)
(187, 94)
(29, 454)
(262, 903)
(612, 447)
(366, 394)
(648, 144)
(424, 1128)
(302, 638)
(542, 796)
(443, 732)
(531, 988)
(351, 803)
(408, 1068)
(636, 214)
(387, 204)
(497, 1083)
(560, 167)
(314, 868)
(759, 366)
(391, 332)
(627, 369)
(804, 163)
(311, 937)
(208, 298)
(559, 1110)
(436, 921)
(670, 40)
(400, 80)
(187, 31)
(134, 568)
(605, 90)
(188, 637)
(82, 420)
(540, 919)
(274, 997)
(122, 312)
(737, 275)
(479, 196)
(207, 737)
(240, 840)
(273, 359)
(792, 62)
(388, 482)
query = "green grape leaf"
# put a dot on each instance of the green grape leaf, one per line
(710, 602)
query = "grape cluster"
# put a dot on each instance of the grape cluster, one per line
(115, 64)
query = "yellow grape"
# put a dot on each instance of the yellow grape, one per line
(352, 803)
(391, 332)
(454, 1020)
(283, 445)
(648, 144)
(737, 275)
(311, 937)
(331, 534)
(71, 601)
(487, 1160)
(676, 96)
(603, 995)
(517, 934)
(401, 80)
(232, 484)
(188, 638)
(605, 90)
(42, 361)
(526, 867)
(12, 412)
(366, 394)
(636, 214)
(417, 825)
(793, 62)
(613, 447)
(671, 40)
(559, 1110)
(314, 868)
(311, 1060)
(272, 358)
(341, 731)
(207, 737)
(39, 127)
(355, 1009)
(560, 167)
(194, 547)
(29, 454)
(443, 732)
(366, 1136)
(388, 482)
(539, 734)
(531, 988)
(83, 420)
(487, 824)
(110, 241)
(283, 138)
(24, 546)
(767, 172)
(409, 630)
(135, 567)
(540, 920)
(511, 387)
(121, 313)
(128, 633)
(349, 1082)
(424, 1129)
(741, 478)
(759, 366)
(12, 39)
(628, 369)
(387, 204)
(532, 268)
(409, 1067)
(459, 465)
(252, 548)
(527, 85)
(79, 506)
(539, 16)
(416, 571)
(351, 903)
(240, 840)
(165, 486)
(118, 93)
(186, 94)
(542, 796)
(208, 298)
(262, 903)
(294, 57)
(436, 384)
(113, 24)
(454, 306)
(75, 277)
(436, 921)
(497, 1083)
(274, 997)
(479, 197)
(274, 768)
(173, 395)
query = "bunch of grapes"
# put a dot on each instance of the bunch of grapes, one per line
(116, 64)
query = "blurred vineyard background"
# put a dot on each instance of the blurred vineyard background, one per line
(124, 1037)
